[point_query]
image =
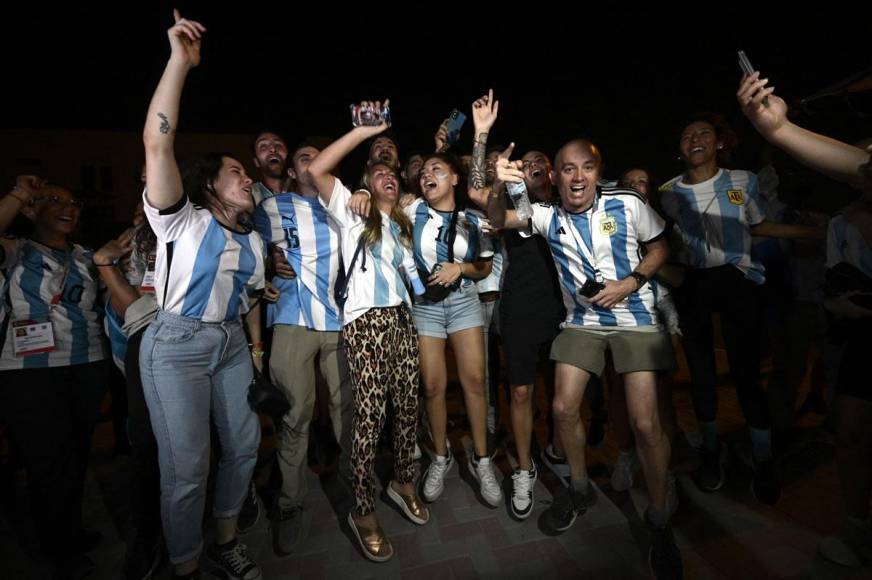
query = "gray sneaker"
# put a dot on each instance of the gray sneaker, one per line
(287, 527)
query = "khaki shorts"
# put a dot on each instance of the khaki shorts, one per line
(632, 350)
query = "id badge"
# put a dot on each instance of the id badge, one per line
(148, 278)
(30, 337)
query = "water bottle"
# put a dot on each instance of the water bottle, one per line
(518, 195)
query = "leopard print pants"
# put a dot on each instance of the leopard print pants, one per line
(382, 350)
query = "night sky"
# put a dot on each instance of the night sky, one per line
(624, 79)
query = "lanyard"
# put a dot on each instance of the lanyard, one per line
(587, 252)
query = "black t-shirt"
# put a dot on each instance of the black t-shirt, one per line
(530, 300)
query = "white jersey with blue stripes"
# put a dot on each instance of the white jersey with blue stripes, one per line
(494, 280)
(310, 239)
(431, 229)
(613, 231)
(36, 274)
(260, 192)
(845, 243)
(378, 279)
(713, 219)
(204, 270)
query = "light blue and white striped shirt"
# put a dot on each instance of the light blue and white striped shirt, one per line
(713, 219)
(35, 275)
(204, 270)
(310, 239)
(431, 230)
(613, 231)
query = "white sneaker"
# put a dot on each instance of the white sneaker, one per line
(622, 474)
(417, 455)
(434, 479)
(490, 489)
(522, 492)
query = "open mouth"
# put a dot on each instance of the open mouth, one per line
(65, 218)
(578, 188)
(390, 187)
(697, 149)
(536, 173)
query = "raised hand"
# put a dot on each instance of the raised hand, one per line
(509, 171)
(766, 111)
(373, 130)
(185, 39)
(484, 112)
(115, 249)
(441, 137)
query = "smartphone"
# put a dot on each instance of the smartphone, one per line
(748, 69)
(369, 116)
(745, 64)
(455, 121)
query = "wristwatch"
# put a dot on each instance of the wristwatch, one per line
(641, 279)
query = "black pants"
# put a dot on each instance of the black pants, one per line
(725, 290)
(52, 413)
(145, 489)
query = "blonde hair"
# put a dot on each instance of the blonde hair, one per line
(372, 229)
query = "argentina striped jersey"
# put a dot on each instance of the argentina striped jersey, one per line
(35, 275)
(378, 279)
(204, 270)
(431, 229)
(613, 231)
(713, 219)
(310, 239)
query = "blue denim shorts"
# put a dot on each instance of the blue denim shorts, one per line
(459, 311)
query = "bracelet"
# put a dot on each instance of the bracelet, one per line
(641, 279)
(21, 201)
(366, 191)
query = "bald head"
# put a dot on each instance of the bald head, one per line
(578, 146)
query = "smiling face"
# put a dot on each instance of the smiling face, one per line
(699, 144)
(384, 150)
(232, 186)
(537, 171)
(384, 184)
(412, 171)
(437, 181)
(577, 170)
(56, 211)
(270, 155)
(639, 180)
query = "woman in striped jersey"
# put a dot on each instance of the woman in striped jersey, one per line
(53, 367)
(379, 334)
(194, 357)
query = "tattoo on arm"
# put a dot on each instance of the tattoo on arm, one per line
(477, 173)
(164, 124)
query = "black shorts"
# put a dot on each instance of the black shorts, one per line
(522, 351)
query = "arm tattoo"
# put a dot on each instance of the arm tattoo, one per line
(164, 124)
(477, 173)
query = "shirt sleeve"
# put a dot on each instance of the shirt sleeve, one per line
(338, 206)
(170, 223)
(648, 224)
(542, 214)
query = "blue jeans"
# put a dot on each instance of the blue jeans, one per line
(191, 369)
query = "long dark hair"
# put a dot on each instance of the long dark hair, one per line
(198, 176)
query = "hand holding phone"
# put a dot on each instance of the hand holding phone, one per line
(748, 69)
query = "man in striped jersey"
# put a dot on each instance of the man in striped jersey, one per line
(270, 158)
(597, 237)
(306, 323)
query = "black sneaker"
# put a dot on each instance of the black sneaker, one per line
(765, 485)
(567, 506)
(249, 515)
(232, 562)
(596, 433)
(142, 557)
(710, 476)
(286, 525)
(664, 557)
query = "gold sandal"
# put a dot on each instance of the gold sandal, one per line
(373, 541)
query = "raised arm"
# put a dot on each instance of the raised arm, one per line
(319, 171)
(484, 115)
(840, 160)
(162, 177)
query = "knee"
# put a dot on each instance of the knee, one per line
(565, 413)
(521, 395)
(433, 389)
(647, 431)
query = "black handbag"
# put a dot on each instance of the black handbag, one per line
(340, 287)
(264, 397)
(438, 292)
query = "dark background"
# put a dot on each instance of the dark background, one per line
(624, 78)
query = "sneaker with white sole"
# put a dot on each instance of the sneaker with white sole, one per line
(483, 470)
(233, 562)
(434, 478)
(523, 482)
(622, 474)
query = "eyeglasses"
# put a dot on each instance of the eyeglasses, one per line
(57, 201)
